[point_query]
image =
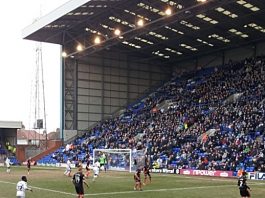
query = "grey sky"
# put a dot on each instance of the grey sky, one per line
(18, 62)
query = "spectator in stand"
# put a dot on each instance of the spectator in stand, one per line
(212, 120)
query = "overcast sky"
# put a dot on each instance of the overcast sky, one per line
(18, 61)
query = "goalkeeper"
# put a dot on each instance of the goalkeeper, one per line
(103, 162)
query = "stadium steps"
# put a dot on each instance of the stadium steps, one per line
(50, 150)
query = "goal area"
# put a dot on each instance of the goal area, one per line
(120, 159)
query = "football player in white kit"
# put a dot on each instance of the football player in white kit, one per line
(7, 162)
(68, 168)
(96, 167)
(22, 187)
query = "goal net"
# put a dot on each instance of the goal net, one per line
(120, 159)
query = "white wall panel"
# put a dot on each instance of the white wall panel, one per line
(123, 87)
(106, 94)
(133, 88)
(82, 83)
(114, 94)
(112, 82)
(123, 94)
(82, 107)
(82, 125)
(83, 92)
(123, 79)
(95, 85)
(107, 101)
(83, 99)
(83, 76)
(114, 109)
(95, 100)
(114, 102)
(114, 86)
(95, 92)
(83, 116)
(95, 109)
(96, 77)
(133, 95)
(94, 116)
(115, 79)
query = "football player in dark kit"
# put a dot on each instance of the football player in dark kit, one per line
(137, 180)
(28, 164)
(243, 187)
(78, 180)
(87, 168)
(146, 174)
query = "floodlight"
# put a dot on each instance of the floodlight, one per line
(168, 11)
(79, 47)
(140, 22)
(117, 32)
(64, 54)
(97, 40)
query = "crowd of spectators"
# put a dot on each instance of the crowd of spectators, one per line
(211, 119)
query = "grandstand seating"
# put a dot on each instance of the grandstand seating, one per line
(215, 121)
(4, 152)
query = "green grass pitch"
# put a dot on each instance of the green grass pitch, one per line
(51, 183)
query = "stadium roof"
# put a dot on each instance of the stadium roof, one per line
(192, 29)
(11, 124)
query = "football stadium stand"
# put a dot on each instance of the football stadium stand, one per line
(211, 119)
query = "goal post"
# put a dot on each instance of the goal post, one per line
(117, 159)
(121, 159)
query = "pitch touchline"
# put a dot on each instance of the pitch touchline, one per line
(128, 192)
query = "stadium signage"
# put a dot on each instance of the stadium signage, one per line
(64, 165)
(206, 173)
(167, 171)
(256, 176)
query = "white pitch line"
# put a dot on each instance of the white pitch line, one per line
(162, 190)
(45, 189)
(130, 192)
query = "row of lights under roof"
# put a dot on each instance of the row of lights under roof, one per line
(188, 47)
(138, 15)
(117, 32)
(226, 12)
(173, 51)
(162, 13)
(160, 54)
(140, 23)
(256, 27)
(248, 5)
(220, 38)
(189, 25)
(238, 33)
(173, 3)
(174, 30)
(207, 19)
(204, 42)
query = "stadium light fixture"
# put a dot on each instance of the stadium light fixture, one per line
(79, 47)
(97, 40)
(168, 11)
(64, 54)
(202, 1)
(117, 32)
(140, 22)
